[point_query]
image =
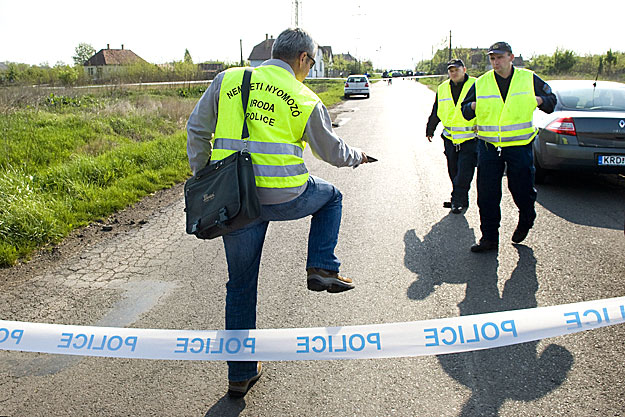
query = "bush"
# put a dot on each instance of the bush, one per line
(562, 62)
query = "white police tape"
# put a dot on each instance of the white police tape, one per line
(429, 337)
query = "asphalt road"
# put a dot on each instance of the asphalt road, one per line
(410, 260)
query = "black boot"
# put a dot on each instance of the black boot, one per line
(485, 245)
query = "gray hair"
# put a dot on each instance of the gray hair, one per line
(292, 42)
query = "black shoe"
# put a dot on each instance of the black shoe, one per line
(238, 389)
(485, 245)
(324, 280)
(447, 204)
(520, 233)
(456, 209)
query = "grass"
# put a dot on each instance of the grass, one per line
(68, 160)
(432, 82)
(329, 91)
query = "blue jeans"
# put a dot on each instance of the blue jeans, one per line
(461, 162)
(490, 168)
(243, 252)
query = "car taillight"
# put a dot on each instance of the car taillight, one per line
(366, 84)
(563, 126)
(346, 85)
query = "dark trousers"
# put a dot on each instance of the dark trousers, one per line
(519, 161)
(461, 161)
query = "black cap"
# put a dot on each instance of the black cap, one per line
(455, 63)
(499, 48)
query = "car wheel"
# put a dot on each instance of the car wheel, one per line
(346, 95)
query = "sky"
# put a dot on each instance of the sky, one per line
(396, 36)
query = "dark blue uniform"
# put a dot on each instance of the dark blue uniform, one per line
(519, 160)
(461, 159)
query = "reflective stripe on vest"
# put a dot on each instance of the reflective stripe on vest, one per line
(456, 127)
(508, 123)
(277, 112)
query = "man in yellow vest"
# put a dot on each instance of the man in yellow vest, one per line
(282, 116)
(503, 101)
(458, 134)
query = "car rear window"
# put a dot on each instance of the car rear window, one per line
(356, 80)
(593, 98)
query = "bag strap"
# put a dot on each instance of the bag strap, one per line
(245, 95)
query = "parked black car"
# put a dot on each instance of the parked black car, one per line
(585, 132)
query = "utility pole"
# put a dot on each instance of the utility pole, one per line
(296, 5)
(450, 45)
(241, 47)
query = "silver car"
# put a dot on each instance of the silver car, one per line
(586, 131)
(357, 84)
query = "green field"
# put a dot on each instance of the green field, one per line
(69, 160)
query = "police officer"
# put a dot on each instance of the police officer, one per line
(282, 115)
(503, 101)
(458, 133)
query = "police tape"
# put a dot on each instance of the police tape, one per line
(389, 340)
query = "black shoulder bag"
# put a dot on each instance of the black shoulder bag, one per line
(221, 198)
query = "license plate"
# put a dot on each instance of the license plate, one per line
(611, 160)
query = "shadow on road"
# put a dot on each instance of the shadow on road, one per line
(517, 372)
(585, 199)
(226, 407)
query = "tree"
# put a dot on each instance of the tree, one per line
(563, 60)
(187, 57)
(610, 59)
(84, 51)
(68, 75)
(12, 73)
(600, 68)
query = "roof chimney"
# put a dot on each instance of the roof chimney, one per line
(122, 46)
(108, 46)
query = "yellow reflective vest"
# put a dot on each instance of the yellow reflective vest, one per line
(508, 123)
(455, 127)
(277, 112)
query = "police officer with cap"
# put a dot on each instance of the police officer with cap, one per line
(458, 133)
(503, 101)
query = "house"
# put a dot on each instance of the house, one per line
(319, 69)
(107, 61)
(345, 57)
(262, 52)
(328, 60)
(210, 69)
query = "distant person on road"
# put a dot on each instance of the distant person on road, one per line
(458, 133)
(503, 101)
(278, 133)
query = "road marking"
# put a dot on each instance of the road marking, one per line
(341, 121)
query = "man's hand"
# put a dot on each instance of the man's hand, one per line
(473, 105)
(429, 138)
(539, 100)
(364, 158)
